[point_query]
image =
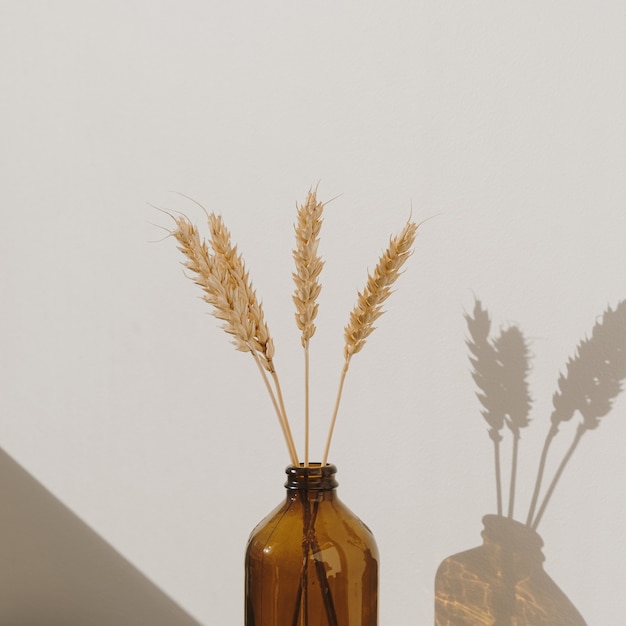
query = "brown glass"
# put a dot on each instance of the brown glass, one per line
(311, 562)
(501, 582)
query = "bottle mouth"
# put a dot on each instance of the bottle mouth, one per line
(315, 476)
(512, 534)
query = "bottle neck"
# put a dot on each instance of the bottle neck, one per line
(315, 477)
(513, 540)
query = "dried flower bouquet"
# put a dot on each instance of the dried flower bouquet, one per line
(219, 270)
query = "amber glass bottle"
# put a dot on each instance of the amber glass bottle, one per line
(501, 583)
(311, 562)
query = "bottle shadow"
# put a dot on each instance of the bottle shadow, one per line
(503, 582)
(56, 571)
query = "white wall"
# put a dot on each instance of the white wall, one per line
(503, 121)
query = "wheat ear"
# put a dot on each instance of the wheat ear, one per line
(369, 307)
(227, 288)
(308, 268)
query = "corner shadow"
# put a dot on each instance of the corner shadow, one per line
(503, 582)
(56, 571)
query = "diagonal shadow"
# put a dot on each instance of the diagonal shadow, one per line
(56, 571)
(503, 582)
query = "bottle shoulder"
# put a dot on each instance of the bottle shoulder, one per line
(333, 523)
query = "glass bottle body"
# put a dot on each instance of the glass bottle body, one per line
(501, 582)
(311, 562)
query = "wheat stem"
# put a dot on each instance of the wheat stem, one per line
(512, 486)
(333, 419)
(498, 472)
(306, 405)
(281, 404)
(279, 412)
(540, 471)
(580, 431)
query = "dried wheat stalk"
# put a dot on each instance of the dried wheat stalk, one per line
(227, 287)
(308, 268)
(369, 306)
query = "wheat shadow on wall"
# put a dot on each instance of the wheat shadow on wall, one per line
(503, 581)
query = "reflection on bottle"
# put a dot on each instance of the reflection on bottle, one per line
(502, 582)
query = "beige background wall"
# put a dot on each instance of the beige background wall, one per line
(504, 122)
